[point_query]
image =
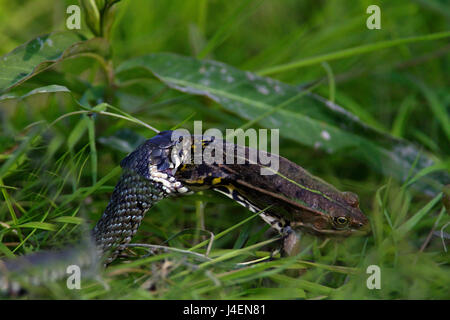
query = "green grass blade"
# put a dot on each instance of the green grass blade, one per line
(352, 52)
(226, 29)
(37, 225)
(409, 225)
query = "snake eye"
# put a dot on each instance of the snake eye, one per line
(340, 222)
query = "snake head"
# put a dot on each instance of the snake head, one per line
(158, 159)
(156, 153)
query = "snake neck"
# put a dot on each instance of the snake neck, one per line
(132, 197)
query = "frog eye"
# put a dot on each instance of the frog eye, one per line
(340, 222)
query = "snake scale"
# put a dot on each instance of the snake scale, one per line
(162, 167)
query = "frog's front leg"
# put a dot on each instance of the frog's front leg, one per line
(291, 241)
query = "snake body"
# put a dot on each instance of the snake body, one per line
(146, 179)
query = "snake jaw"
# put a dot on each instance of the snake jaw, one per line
(170, 185)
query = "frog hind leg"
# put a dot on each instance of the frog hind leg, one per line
(290, 239)
(272, 219)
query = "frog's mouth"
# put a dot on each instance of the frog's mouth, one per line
(329, 230)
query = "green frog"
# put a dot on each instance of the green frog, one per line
(289, 198)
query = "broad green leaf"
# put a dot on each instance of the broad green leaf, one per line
(301, 116)
(43, 52)
(47, 89)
